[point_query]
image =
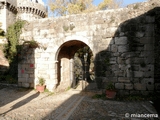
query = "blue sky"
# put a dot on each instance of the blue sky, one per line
(126, 2)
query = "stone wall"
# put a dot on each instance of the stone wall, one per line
(122, 42)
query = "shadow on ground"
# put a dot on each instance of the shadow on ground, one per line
(22, 102)
(12, 94)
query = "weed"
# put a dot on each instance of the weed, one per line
(65, 28)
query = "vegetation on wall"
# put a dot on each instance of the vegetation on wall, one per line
(12, 36)
(12, 47)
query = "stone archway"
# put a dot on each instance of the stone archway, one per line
(65, 71)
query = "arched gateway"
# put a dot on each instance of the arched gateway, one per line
(66, 76)
(123, 49)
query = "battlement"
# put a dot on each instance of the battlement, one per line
(31, 7)
(29, 10)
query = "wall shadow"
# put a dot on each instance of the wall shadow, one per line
(129, 60)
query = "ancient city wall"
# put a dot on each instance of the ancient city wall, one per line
(122, 42)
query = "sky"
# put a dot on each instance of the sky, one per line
(126, 2)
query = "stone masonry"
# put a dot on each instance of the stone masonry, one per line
(122, 42)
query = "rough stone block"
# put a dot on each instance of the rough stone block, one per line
(133, 92)
(149, 47)
(30, 80)
(145, 92)
(139, 86)
(150, 19)
(120, 60)
(25, 75)
(128, 86)
(112, 60)
(26, 85)
(120, 40)
(147, 40)
(138, 74)
(31, 75)
(42, 66)
(114, 67)
(150, 87)
(123, 48)
(139, 34)
(114, 48)
(123, 79)
(31, 85)
(150, 27)
(21, 79)
(119, 86)
(37, 55)
(136, 68)
(118, 73)
(122, 92)
(149, 60)
(149, 74)
(45, 55)
(108, 79)
(19, 84)
(128, 55)
(30, 71)
(122, 67)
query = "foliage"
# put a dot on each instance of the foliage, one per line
(13, 34)
(12, 47)
(31, 44)
(41, 81)
(114, 4)
(67, 7)
(68, 88)
(110, 86)
(8, 79)
(103, 5)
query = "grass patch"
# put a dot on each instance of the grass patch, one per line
(68, 88)
(48, 92)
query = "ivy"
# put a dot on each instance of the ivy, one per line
(12, 36)
(12, 47)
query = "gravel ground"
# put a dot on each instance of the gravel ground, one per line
(27, 104)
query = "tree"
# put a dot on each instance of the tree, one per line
(115, 4)
(67, 7)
